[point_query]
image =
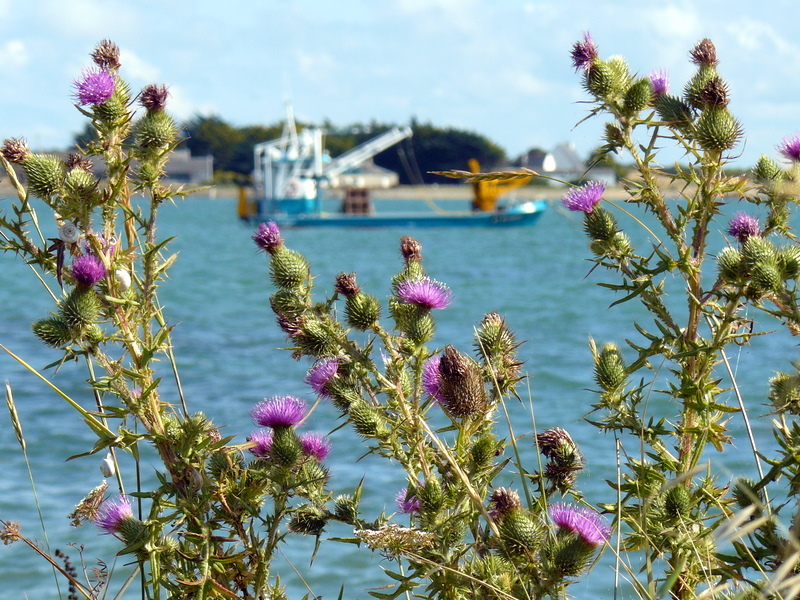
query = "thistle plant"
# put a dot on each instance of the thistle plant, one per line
(435, 411)
(210, 523)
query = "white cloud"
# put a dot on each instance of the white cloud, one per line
(81, 18)
(13, 54)
(136, 68)
(180, 106)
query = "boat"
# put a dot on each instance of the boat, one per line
(292, 174)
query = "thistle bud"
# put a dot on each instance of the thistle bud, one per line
(494, 338)
(80, 308)
(484, 450)
(745, 494)
(729, 261)
(288, 269)
(461, 385)
(421, 326)
(308, 520)
(638, 97)
(287, 302)
(673, 111)
(785, 393)
(767, 170)
(430, 495)
(756, 250)
(155, 131)
(366, 419)
(362, 311)
(718, 130)
(520, 532)
(53, 331)
(677, 502)
(609, 368)
(600, 224)
(80, 185)
(315, 338)
(789, 262)
(46, 174)
(285, 450)
(345, 509)
(599, 79)
(765, 277)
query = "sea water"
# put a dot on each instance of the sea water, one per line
(229, 355)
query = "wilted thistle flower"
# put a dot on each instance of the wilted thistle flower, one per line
(789, 147)
(95, 87)
(659, 80)
(704, 53)
(112, 515)
(715, 92)
(411, 249)
(585, 198)
(268, 237)
(431, 382)
(584, 53)
(583, 522)
(743, 226)
(15, 150)
(407, 504)
(346, 285)
(503, 501)
(87, 509)
(462, 391)
(424, 292)
(106, 55)
(315, 445)
(154, 97)
(87, 269)
(279, 411)
(263, 443)
(321, 374)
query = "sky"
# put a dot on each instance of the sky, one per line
(500, 68)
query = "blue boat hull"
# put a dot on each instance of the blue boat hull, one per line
(523, 214)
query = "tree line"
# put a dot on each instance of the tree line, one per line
(430, 148)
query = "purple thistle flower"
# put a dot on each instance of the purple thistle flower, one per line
(95, 87)
(87, 269)
(321, 374)
(279, 411)
(584, 198)
(584, 53)
(743, 226)
(263, 443)
(268, 237)
(659, 79)
(583, 522)
(112, 514)
(424, 292)
(790, 147)
(314, 444)
(431, 380)
(407, 504)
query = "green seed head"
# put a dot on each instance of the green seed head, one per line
(80, 308)
(362, 311)
(609, 368)
(677, 501)
(673, 111)
(288, 269)
(520, 533)
(155, 131)
(46, 174)
(600, 224)
(53, 331)
(638, 97)
(729, 261)
(718, 130)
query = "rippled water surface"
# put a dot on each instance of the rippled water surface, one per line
(227, 347)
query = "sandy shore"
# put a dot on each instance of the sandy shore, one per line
(413, 192)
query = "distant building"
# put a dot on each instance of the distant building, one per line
(366, 175)
(564, 163)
